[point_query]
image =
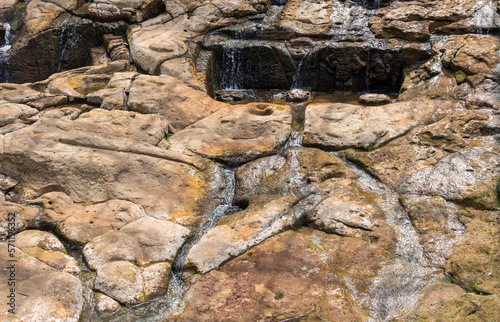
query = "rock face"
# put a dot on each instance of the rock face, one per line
(44, 271)
(249, 160)
(337, 126)
(264, 292)
(236, 135)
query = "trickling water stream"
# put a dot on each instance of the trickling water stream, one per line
(68, 39)
(171, 303)
(4, 68)
(176, 286)
(398, 286)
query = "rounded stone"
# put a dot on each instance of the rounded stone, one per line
(374, 99)
(297, 95)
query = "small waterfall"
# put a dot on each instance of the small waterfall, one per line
(4, 67)
(299, 80)
(296, 80)
(68, 39)
(231, 80)
(298, 121)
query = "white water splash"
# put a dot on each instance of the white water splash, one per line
(5, 76)
(485, 16)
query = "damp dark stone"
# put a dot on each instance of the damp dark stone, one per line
(329, 68)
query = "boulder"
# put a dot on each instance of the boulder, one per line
(42, 291)
(133, 263)
(48, 249)
(169, 97)
(306, 18)
(72, 221)
(282, 278)
(113, 162)
(238, 134)
(142, 242)
(374, 99)
(12, 113)
(338, 126)
(297, 95)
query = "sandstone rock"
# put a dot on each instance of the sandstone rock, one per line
(170, 98)
(250, 175)
(48, 293)
(276, 193)
(47, 248)
(474, 261)
(155, 279)
(48, 101)
(131, 10)
(65, 113)
(105, 304)
(121, 258)
(77, 86)
(18, 93)
(452, 303)
(422, 148)
(6, 5)
(180, 68)
(471, 54)
(258, 285)
(115, 164)
(297, 95)
(374, 99)
(121, 281)
(306, 18)
(236, 135)
(147, 241)
(109, 99)
(451, 10)
(72, 221)
(40, 13)
(236, 233)
(413, 31)
(454, 175)
(343, 217)
(337, 126)
(151, 46)
(436, 222)
(116, 47)
(230, 8)
(12, 113)
(25, 218)
(230, 96)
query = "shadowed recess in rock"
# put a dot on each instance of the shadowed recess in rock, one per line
(328, 67)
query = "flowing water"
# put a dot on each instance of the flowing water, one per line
(398, 286)
(485, 16)
(233, 79)
(68, 39)
(171, 303)
(4, 67)
(176, 286)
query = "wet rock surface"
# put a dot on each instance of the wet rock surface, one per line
(250, 160)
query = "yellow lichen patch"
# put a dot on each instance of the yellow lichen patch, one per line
(224, 293)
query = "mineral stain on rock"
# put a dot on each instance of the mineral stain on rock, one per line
(256, 160)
